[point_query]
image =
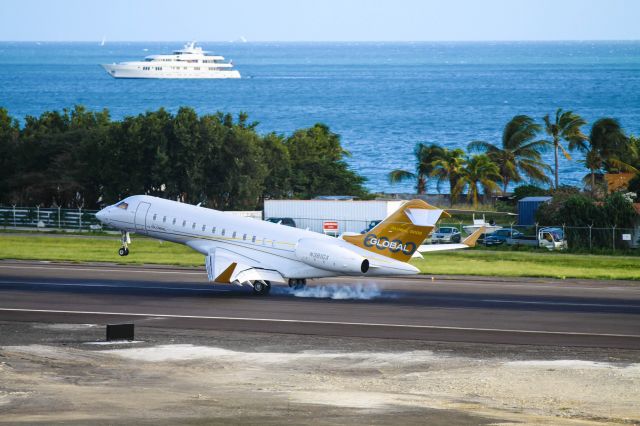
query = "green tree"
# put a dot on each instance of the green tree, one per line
(565, 127)
(9, 134)
(318, 166)
(519, 153)
(447, 166)
(522, 191)
(78, 157)
(479, 173)
(425, 156)
(187, 153)
(277, 160)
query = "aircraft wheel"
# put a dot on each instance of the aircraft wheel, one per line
(123, 251)
(261, 288)
(298, 283)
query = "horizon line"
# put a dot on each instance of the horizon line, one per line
(329, 41)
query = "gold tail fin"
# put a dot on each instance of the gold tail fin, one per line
(399, 235)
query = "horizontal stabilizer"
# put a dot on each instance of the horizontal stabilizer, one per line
(468, 242)
(424, 217)
(472, 239)
(426, 248)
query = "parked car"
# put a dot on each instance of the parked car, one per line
(287, 221)
(370, 226)
(489, 240)
(446, 234)
(505, 233)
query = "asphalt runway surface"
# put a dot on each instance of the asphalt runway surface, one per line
(449, 309)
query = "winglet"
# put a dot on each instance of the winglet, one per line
(473, 238)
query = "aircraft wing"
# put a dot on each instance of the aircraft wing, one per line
(468, 242)
(224, 266)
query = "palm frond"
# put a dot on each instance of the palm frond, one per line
(398, 175)
(481, 146)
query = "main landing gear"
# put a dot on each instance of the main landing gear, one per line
(261, 288)
(124, 250)
(297, 283)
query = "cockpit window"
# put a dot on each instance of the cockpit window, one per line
(122, 205)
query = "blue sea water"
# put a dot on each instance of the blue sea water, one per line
(382, 98)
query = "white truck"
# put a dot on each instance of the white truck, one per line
(549, 238)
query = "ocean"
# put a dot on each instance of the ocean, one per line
(382, 98)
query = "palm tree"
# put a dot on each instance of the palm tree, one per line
(565, 127)
(425, 156)
(479, 172)
(608, 139)
(447, 167)
(519, 152)
(594, 163)
(608, 149)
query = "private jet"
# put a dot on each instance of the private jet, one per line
(246, 251)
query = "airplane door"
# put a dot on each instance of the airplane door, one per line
(141, 216)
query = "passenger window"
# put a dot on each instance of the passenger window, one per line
(164, 219)
(204, 227)
(155, 216)
(223, 232)
(253, 240)
(193, 226)
(234, 234)
(184, 223)
(244, 237)
(213, 230)
(174, 220)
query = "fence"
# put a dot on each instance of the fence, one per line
(49, 218)
(578, 238)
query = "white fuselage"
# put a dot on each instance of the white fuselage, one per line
(257, 241)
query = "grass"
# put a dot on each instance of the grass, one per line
(468, 262)
(142, 250)
(530, 264)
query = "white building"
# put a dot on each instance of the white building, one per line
(351, 215)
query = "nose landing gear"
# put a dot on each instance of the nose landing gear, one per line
(124, 250)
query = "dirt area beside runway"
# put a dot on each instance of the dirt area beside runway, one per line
(57, 373)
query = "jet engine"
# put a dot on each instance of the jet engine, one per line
(323, 255)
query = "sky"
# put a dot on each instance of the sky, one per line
(320, 20)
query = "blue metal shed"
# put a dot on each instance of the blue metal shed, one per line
(527, 208)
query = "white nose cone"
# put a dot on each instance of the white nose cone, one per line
(101, 215)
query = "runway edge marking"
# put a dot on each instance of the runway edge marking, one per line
(427, 327)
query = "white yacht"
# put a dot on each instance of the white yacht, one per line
(188, 62)
(479, 223)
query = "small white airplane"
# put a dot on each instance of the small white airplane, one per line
(247, 251)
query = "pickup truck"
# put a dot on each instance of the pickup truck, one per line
(549, 238)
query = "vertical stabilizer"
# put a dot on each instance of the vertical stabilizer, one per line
(399, 235)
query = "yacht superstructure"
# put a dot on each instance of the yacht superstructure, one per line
(188, 62)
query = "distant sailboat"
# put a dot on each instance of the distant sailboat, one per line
(104, 39)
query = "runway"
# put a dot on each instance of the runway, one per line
(500, 311)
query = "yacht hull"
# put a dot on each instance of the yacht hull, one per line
(135, 71)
